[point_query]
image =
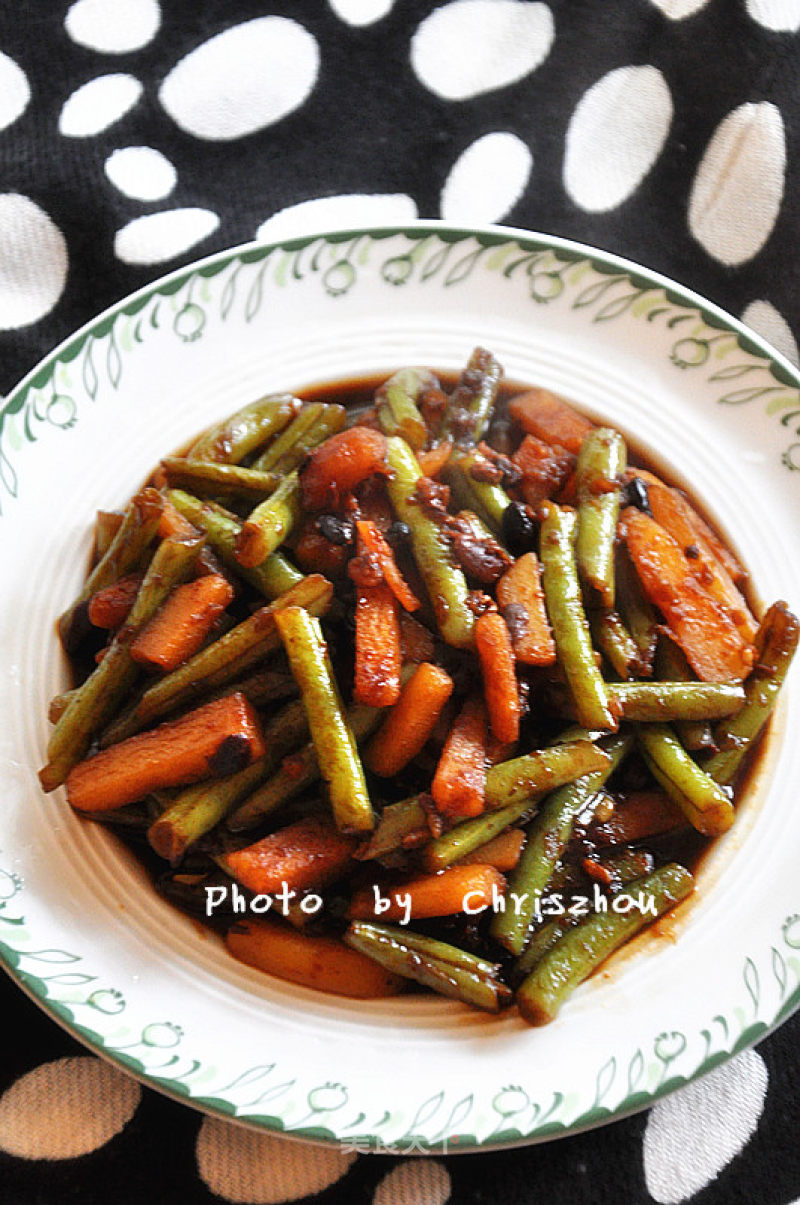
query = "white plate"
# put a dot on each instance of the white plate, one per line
(80, 928)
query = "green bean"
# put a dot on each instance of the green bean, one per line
(106, 525)
(625, 867)
(455, 974)
(444, 581)
(469, 835)
(125, 552)
(489, 500)
(295, 774)
(470, 406)
(568, 620)
(671, 665)
(197, 809)
(776, 642)
(615, 642)
(548, 835)
(334, 742)
(312, 426)
(396, 400)
(649, 702)
(270, 523)
(234, 438)
(272, 578)
(542, 770)
(397, 824)
(584, 948)
(637, 613)
(222, 661)
(207, 477)
(103, 691)
(598, 479)
(703, 802)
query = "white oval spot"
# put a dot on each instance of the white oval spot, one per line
(676, 10)
(159, 236)
(469, 47)
(113, 26)
(415, 1182)
(487, 179)
(33, 262)
(141, 172)
(693, 1134)
(361, 12)
(337, 213)
(95, 106)
(772, 326)
(243, 79)
(737, 192)
(243, 1166)
(66, 1108)
(780, 15)
(15, 91)
(615, 136)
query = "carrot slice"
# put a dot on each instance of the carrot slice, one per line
(324, 963)
(308, 853)
(457, 889)
(378, 656)
(676, 516)
(433, 460)
(459, 784)
(109, 607)
(714, 646)
(551, 418)
(640, 815)
(545, 468)
(216, 739)
(409, 724)
(337, 466)
(372, 541)
(521, 598)
(179, 628)
(500, 688)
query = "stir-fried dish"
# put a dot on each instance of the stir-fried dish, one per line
(441, 688)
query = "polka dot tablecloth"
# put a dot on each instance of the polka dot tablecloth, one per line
(137, 135)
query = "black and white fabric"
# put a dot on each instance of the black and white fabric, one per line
(137, 135)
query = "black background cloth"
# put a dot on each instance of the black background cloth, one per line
(371, 127)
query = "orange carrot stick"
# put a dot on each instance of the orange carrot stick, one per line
(545, 468)
(179, 628)
(640, 815)
(109, 607)
(372, 542)
(521, 598)
(500, 688)
(409, 724)
(309, 853)
(216, 739)
(339, 464)
(714, 646)
(675, 515)
(551, 418)
(324, 963)
(459, 784)
(458, 889)
(378, 657)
